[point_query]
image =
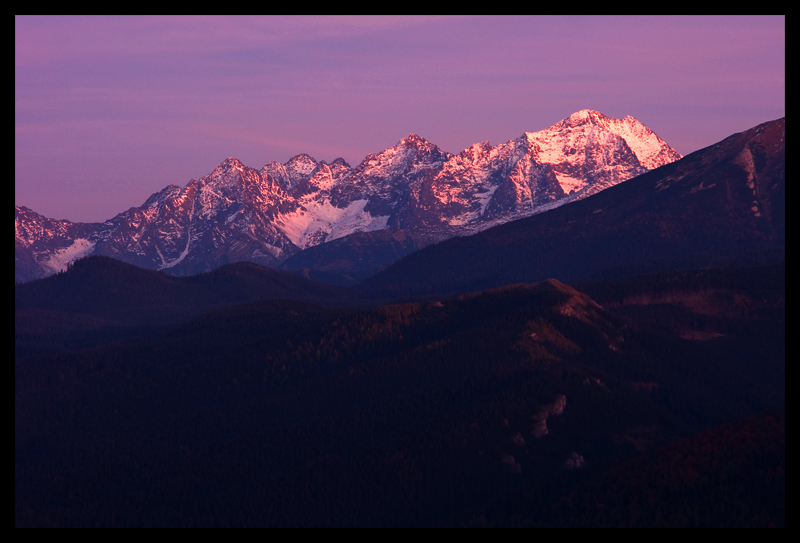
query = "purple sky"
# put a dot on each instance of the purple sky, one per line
(109, 110)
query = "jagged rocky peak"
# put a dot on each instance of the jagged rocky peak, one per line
(651, 150)
(413, 184)
(413, 140)
(339, 168)
(297, 169)
(302, 173)
(588, 120)
(229, 164)
(476, 150)
(590, 151)
(277, 172)
(335, 169)
(300, 166)
(339, 164)
(392, 161)
(425, 153)
(228, 172)
(168, 192)
(323, 177)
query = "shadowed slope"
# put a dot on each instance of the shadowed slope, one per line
(710, 208)
(100, 299)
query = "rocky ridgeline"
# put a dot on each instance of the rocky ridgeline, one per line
(238, 213)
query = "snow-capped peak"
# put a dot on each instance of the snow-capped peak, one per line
(414, 140)
(266, 215)
(170, 191)
(230, 163)
(339, 163)
(581, 129)
(300, 165)
(586, 116)
(228, 173)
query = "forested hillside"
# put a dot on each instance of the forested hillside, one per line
(414, 414)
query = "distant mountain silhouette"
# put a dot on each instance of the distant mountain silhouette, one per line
(351, 259)
(125, 294)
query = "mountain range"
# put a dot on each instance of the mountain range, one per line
(411, 195)
(615, 361)
(719, 206)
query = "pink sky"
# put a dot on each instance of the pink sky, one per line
(109, 110)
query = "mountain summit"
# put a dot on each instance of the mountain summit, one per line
(237, 213)
(720, 206)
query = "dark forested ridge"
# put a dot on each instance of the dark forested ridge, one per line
(348, 261)
(285, 413)
(100, 299)
(106, 287)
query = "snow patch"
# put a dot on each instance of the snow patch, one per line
(164, 264)
(61, 259)
(321, 219)
(484, 198)
(180, 258)
(570, 184)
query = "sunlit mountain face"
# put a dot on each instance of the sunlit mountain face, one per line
(721, 205)
(265, 216)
